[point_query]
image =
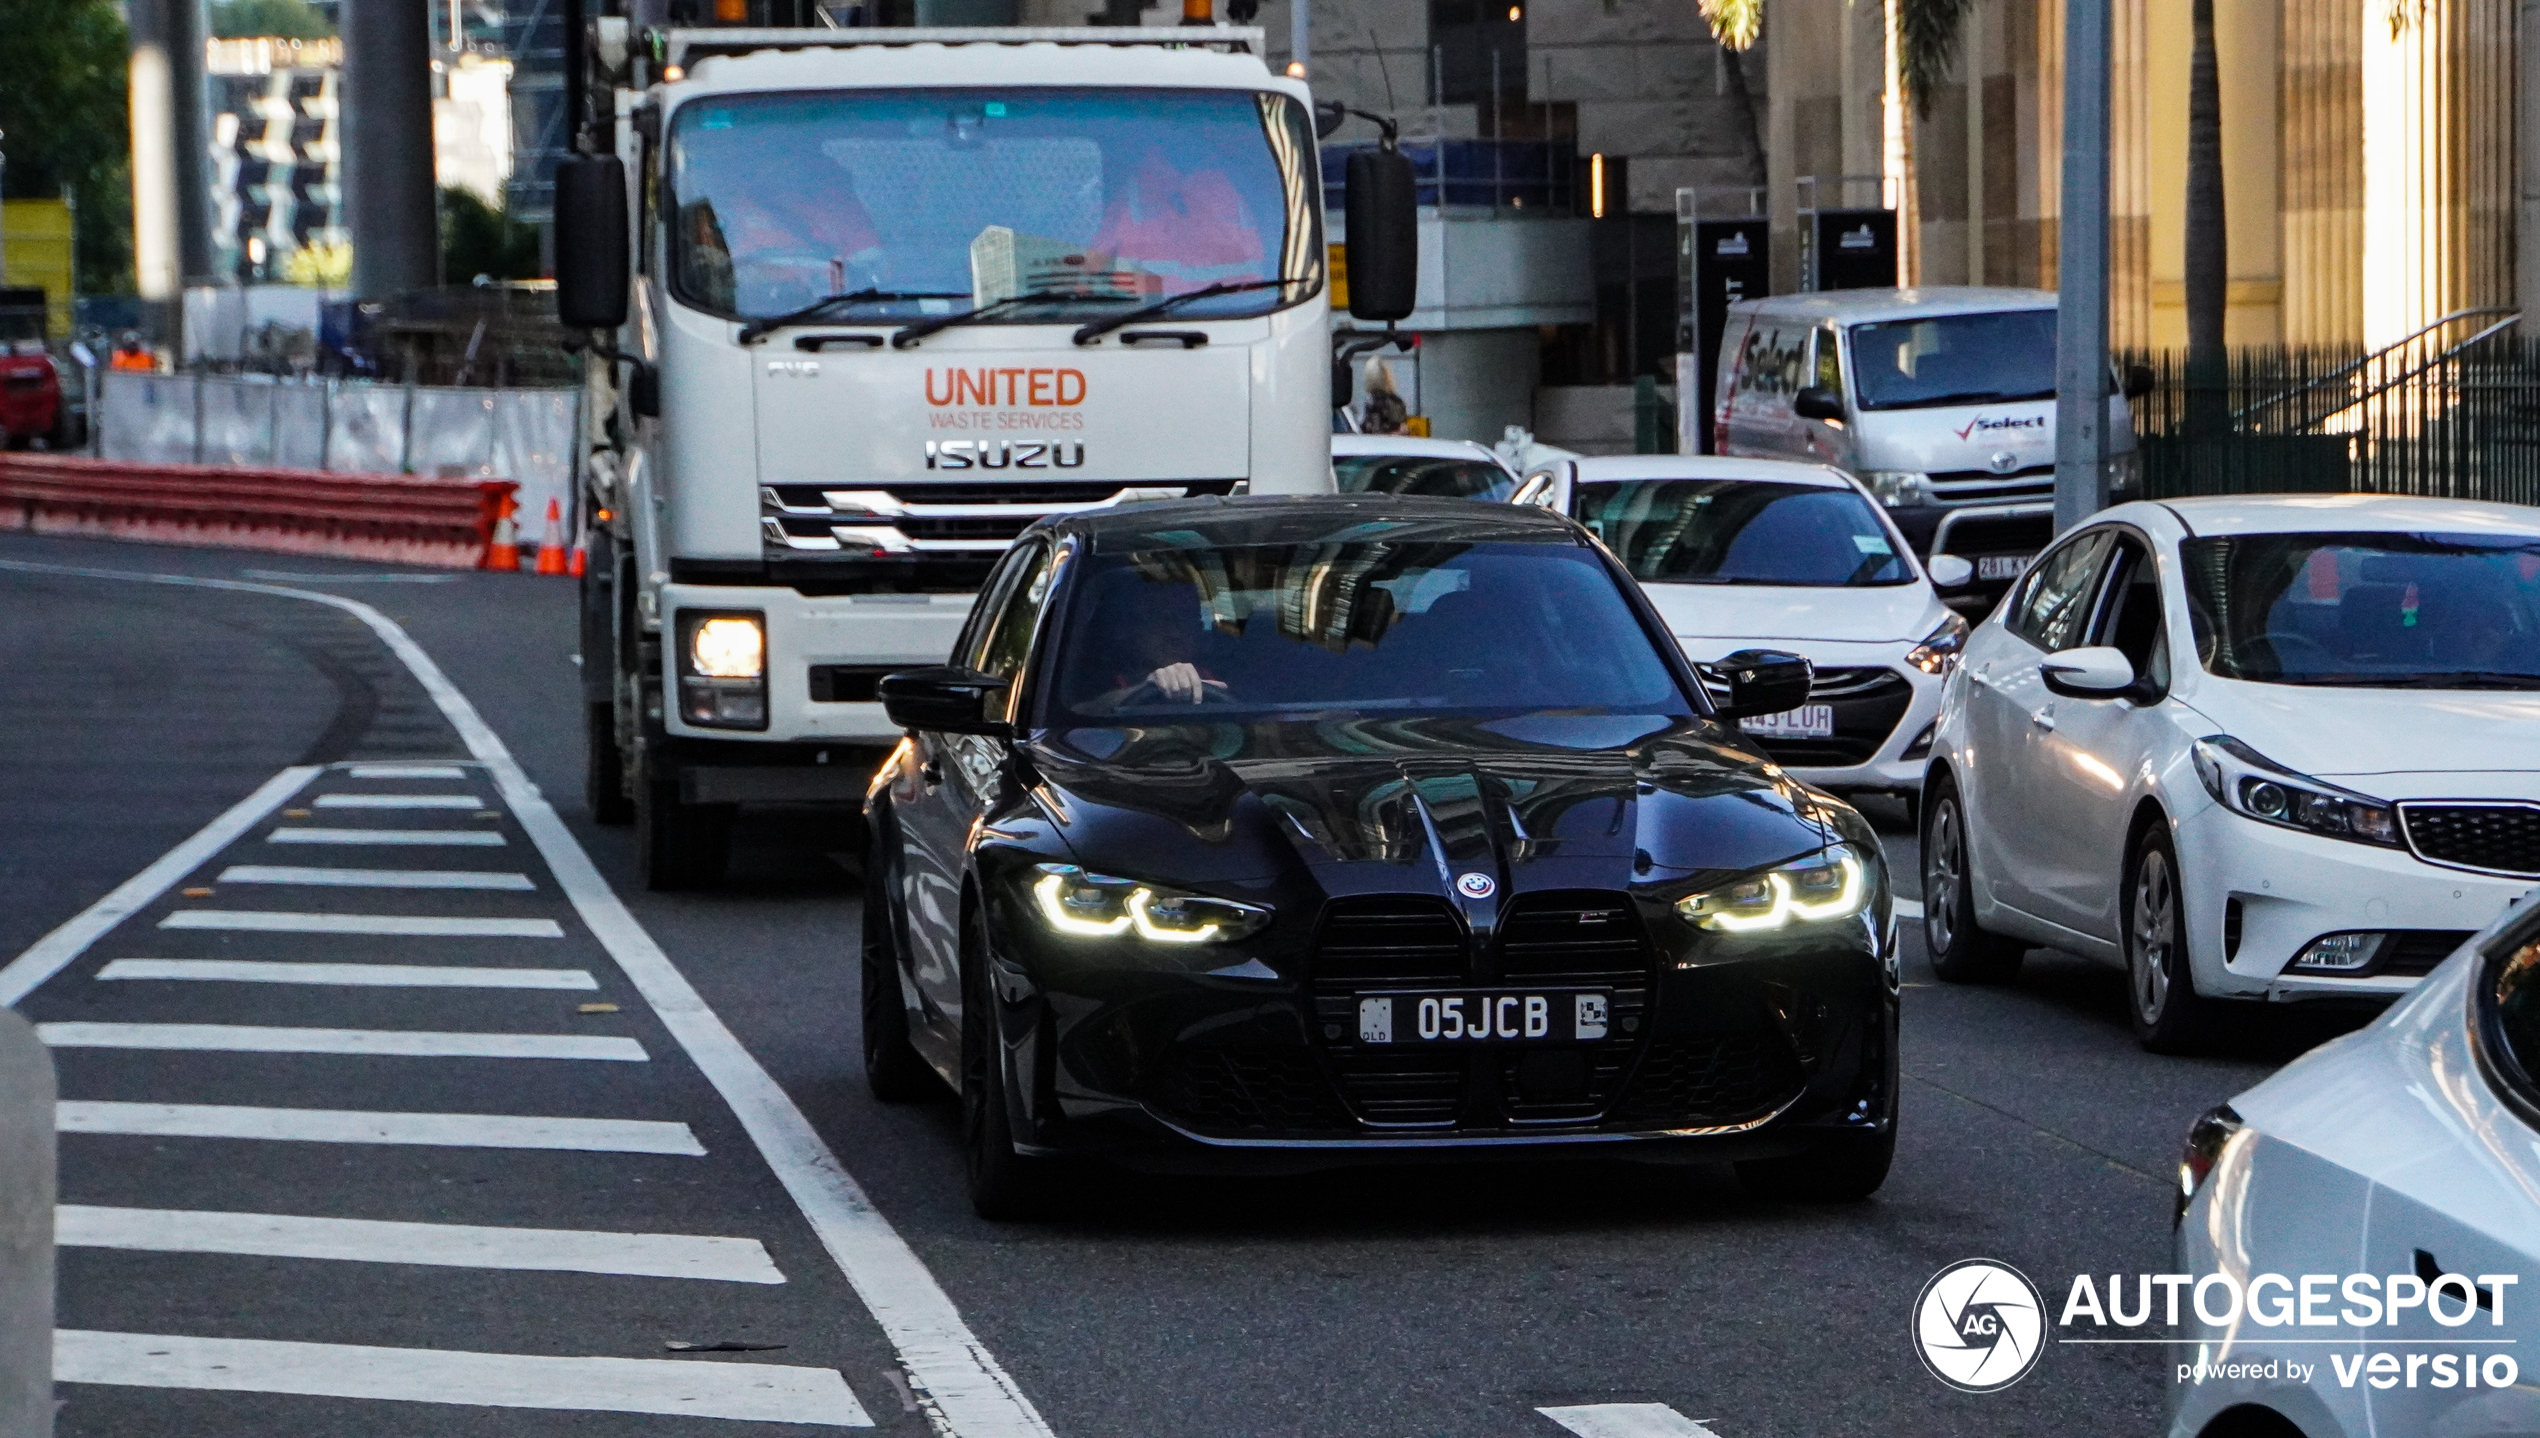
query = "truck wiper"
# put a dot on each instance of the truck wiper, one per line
(757, 330)
(1087, 333)
(907, 335)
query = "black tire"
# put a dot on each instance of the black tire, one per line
(679, 846)
(892, 1068)
(1004, 1185)
(1961, 952)
(604, 766)
(1844, 1169)
(2169, 1016)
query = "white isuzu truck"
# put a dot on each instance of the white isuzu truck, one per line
(865, 303)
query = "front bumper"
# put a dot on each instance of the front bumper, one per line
(2291, 888)
(857, 632)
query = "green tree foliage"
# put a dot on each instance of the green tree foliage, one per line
(1927, 44)
(280, 19)
(478, 239)
(62, 110)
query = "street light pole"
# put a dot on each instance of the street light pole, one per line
(2081, 332)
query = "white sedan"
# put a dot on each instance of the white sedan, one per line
(2362, 1230)
(1409, 464)
(1748, 553)
(2278, 747)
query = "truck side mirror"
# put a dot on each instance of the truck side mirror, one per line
(591, 269)
(1817, 402)
(1384, 236)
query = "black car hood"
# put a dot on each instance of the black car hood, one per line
(1415, 805)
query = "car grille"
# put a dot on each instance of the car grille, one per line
(1249, 1091)
(2413, 953)
(1580, 937)
(1868, 704)
(1706, 1082)
(2500, 838)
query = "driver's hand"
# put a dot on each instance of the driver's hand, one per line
(1181, 684)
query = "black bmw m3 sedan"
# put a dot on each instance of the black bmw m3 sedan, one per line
(1284, 832)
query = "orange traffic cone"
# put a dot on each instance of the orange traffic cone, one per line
(551, 558)
(503, 554)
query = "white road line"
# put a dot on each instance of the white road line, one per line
(335, 1125)
(1626, 1420)
(257, 921)
(760, 1392)
(964, 1390)
(1908, 909)
(457, 838)
(407, 771)
(444, 1245)
(47, 956)
(373, 878)
(392, 1043)
(399, 801)
(388, 976)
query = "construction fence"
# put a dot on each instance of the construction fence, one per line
(256, 421)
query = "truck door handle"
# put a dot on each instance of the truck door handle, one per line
(2043, 718)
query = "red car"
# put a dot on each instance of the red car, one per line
(30, 385)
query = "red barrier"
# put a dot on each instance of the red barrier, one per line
(396, 519)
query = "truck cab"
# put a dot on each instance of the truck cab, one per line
(890, 297)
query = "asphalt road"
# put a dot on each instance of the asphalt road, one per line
(1435, 1301)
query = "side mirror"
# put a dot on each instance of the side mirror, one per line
(1948, 571)
(1383, 253)
(1329, 115)
(946, 699)
(2095, 673)
(1817, 402)
(2138, 380)
(591, 269)
(1535, 490)
(1763, 681)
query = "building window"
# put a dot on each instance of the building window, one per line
(1477, 55)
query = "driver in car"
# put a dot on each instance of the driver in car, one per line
(1156, 642)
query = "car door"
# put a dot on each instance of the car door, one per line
(2010, 714)
(935, 806)
(2091, 750)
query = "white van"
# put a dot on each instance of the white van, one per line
(1941, 400)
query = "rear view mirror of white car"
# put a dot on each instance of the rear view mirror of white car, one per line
(2098, 672)
(1948, 571)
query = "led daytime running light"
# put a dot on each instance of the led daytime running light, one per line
(1054, 912)
(1098, 906)
(1148, 929)
(1787, 907)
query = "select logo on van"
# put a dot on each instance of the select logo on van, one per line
(1994, 426)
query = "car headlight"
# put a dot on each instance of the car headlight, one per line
(1897, 488)
(1833, 883)
(1097, 906)
(1938, 653)
(2248, 783)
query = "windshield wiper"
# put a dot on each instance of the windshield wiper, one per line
(757, 330)
(907, 335)
(1087, 333)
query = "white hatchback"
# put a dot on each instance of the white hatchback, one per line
(2362, 1230)
(1409, 464)
(2278, 747)
(1748, 553)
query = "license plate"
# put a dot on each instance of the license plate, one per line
(2002, 566)
(1808, 721)
(1483, 1016)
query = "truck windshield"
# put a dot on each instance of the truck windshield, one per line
(1736, 531)
(1954, 359)
(2381, 611)
(1349, 629)
(943, 200)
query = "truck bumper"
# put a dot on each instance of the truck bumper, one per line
(827, 645)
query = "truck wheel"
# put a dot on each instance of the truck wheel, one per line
(679, 846)
(604, 767)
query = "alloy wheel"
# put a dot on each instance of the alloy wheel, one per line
(1944, 863)
(2155, 924)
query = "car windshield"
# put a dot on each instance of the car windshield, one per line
(1954, 359)
(2417, 611)
(1739, 531)
(942, 200)
(1445, 475)
(1341, 630)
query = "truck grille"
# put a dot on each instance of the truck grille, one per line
(912, 519)
(2499, 838)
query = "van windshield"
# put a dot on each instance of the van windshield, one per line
(1954, 359)
(1737, 531)
(937, 201)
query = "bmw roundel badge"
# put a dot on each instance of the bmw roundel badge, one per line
(1476, 886)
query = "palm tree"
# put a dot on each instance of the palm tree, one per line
(1927, 42)
(1736, 25)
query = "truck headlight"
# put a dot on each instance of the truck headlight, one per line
(723, 669)
(1833, 883)
(1073, 902)
(1898, 488)
(2250, 784)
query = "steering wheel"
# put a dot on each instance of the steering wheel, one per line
(1149, 692)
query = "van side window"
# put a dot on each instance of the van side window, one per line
(1829, 371)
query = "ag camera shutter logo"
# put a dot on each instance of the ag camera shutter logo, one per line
(1979, 1325)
